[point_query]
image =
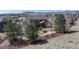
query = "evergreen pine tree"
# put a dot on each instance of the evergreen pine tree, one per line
(59, 23)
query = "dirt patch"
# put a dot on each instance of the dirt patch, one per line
(70, 41)
(23, 44)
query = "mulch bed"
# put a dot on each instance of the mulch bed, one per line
(51, 36)
(57, 34)
(2, 38)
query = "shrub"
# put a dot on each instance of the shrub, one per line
(59, 23)
(31, 30)
(45, 30)
(11, 30)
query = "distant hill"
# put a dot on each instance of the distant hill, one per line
(55, 12)
(49, 12)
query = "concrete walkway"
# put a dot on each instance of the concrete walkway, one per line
(67, 41)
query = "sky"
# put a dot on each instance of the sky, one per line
(10, 11)
(21, 11)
